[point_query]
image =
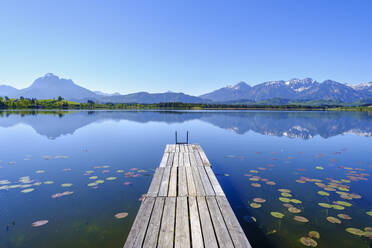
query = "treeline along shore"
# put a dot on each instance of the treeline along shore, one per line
(60, 103)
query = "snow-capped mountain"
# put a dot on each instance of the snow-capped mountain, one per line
(294, 89)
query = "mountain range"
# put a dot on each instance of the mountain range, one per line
(51, 86)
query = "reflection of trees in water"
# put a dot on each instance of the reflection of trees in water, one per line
(293, 124)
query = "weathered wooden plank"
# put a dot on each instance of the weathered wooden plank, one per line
(198, 160)
(212, 178)
(170, 159)
(205, 180)
(138, 231)
(177, 148)
(222, 234)
(155, 183)
(190, 182)
(167, 148)
(182, 181)
(182, 148)
(236, 232)
(198, 183)
(167, 223)
(164, 160)
(163, 190)
(192, 159)
(173, 182)
(182, 237)
(175, 160)
(203, 157)
(180, 159)
(196, 232)
(207, 228)
(152, 234)
(186, 159)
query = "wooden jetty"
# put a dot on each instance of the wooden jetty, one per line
(185, 206)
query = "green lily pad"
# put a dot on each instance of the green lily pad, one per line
(66, 185)
(338, 207)
(314, 234)
(369, 213)
(319, 168)
(343, 203)
(325, 205)
(255, 205)
(284, 190)
(110, 178)
(355, 231)
(323, 193)
(296, 201)
(286, 194)
(27, 190)
(93, 177)
(277, 215)
(48, 182)
(100, 181)
(284, 199)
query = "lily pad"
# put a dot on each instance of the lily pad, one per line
(323, 193)
(333, 220)
(343, 203)
(344, 216)
(284, 190)
(314, 234)
(306, 241)
(369, 213)
(354, 231)
(325, 205)
(40, 171)
(284, 199)
(319, 168)
(286, 194)
(121, 215)
(296, 201)
(301, 219)
(48, 182)
(66, 184)
(277, 215)
(110, 178)
(120, 171)
(93, 177)
(338, 207)
(256, 185)
(255, 205)
(259, 200)
(100, 181)
(40, 223)
(27, 190)
(294, 210)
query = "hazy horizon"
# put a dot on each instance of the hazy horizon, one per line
(194, 47)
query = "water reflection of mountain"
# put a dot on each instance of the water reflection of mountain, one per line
(302, 125)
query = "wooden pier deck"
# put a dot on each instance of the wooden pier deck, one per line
(185, 206)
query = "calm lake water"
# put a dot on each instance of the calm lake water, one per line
(300, 152)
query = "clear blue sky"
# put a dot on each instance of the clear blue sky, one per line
(189, 46)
